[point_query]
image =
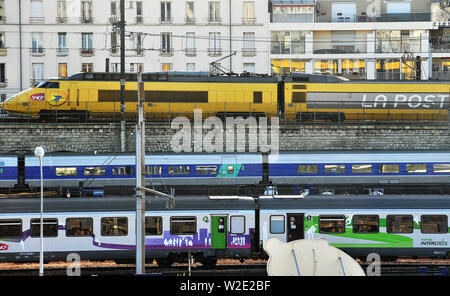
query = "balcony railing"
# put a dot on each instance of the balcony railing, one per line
(3, 51)
(191, 52)
(87, 52)
(86, 20)
(61, 19)
(324, 17)
(292, 18)
(166, 51)
(249, 20)
(441, 75)
(214, 52)
(166, 20)
(323, 47)
(214, 20)
(139, 19)
(4, 83)
(37, 51)
(37, 20)
(190, 20)
(62, 51)
(291, 48)
(398, 46)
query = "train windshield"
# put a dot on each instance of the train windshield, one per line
(48, 84)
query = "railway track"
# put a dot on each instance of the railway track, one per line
(247, 270)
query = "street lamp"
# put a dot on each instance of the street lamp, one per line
(39, 153)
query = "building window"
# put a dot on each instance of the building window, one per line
(115, 10)
(134, 67)
(37, 42)
(183, 225)
(214, 44)
(249, 12)
(190, 17)
(115, 67)
(38, 73)
(249, 67)
(249, 49)
(153, 225)
(190, 67)
(86, 11)
(87, 67)
(2, 10)
(86, 43)
(115, 226)
(166, 43)
(190, 44)
(2, 39)
(214, 11)
(79, 226)
(166, 15)
(2, 73)
(50, 227)
(62, 70)
(114, 42)
(166, 67)
(61, 14)
(37, 11)
(62, 43)
(138, 38)
(139, 18)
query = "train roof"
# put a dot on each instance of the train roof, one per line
(128, 203)
(358, 202)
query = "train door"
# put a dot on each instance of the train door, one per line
(295, 228)
(229, 170)
(219, 232)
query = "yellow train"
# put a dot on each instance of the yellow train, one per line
(296, 97)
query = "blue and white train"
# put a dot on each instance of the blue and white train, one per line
(326, 171)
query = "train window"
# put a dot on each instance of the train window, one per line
(153, 225)
(183, 225)
(334, 169)
(441, 168)
(434, 224)
(307, 169)
(114, 226)
(277, 224)
(365, 224)
(361, 168)
(388, 168)
(63, 172)
(122, 171)
(179, 170)
(10, 228)
(52, 85)
(416, 168)
(332, 224)
(79, 226)
(94, 171)
(206, 170)
(237, 224)
(1, 171)
(257, 97)
(399, 223)
(153, 170)
(50, 227)
(43, 84)
(298, 97)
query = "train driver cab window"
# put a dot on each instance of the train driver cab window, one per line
(434, 224)
(183, 225)
(64, 172)
(114, 226)
(307, 169)
(399, 223)
(388, 168)
(10, 228)
(94, 171)
(153, 225)
(334, 169)
(332, 224)
(237, 224)
(277, 224)
(361, 168)
(50, 227)
(79, 226)
(416, 168)
(365, 224)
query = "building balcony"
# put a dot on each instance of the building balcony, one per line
(86, 20)
(190, 21)
(214, 52)
(87, 52)
(3, 19)
(248, 21)
(139, 19)
(441, 75)
(215, 20)
(61, 19)
(166, 20)
(37, 51)
(190, 52)
(3, 83)
(248, 52)
(292, 18)
(166, 52)
(398, 46)
(36, 20)
(324, 17)
(62, 52)
(114, 19)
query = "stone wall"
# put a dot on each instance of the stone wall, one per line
(106, 137)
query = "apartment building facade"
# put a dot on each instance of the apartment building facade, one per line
(361, 39)
(58, 38)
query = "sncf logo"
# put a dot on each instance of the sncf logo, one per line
(3, 247)
(37, 97)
